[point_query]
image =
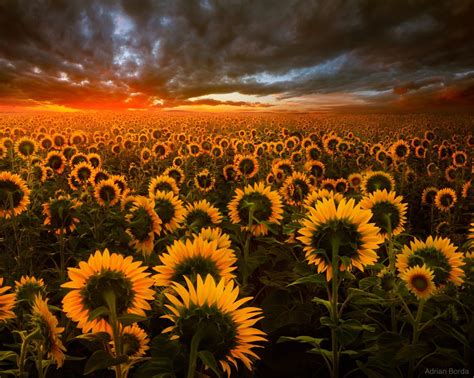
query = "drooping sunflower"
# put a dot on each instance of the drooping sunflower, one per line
(400, 150)
(386, 206)
(201, 214)
(295, 188)
(445, 199)
(212, 309)
(420, 281)
(14, 195)
(428, 196)
(377, 180)
(107, 193)
(143, 224)
(192, 257)
(347, 225)
(162, 183)
(169, 209)
(25, 147)
(439, 254)
(50, 342)
(7, 302)
(258, 201)
(102, 273)
(317, 195)
(26, 290)
(61, 214)
(246, 165)
(204, 181)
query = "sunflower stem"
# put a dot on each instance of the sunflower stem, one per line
(197, 337)
(247, 247)
(416, 335)
(24, 350)
(334, 310)
(62, 266)
(39, 363)
(391, 259)
(110, 298)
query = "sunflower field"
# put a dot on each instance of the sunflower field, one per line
(238, 245)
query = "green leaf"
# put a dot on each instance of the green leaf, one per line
(208, 359)
(98, 336)
(367, 283)
(322, 352)
(99, 311)
(128, 319)
(8, 355)
(301, 339)
(323, 302)
(314, 279)
(100, 359)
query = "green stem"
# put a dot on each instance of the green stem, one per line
(109, 297)
(62, 266)
(193, 354)
(416, 335)
(247, 247)
(39, 362)
(334, 311)
(24, 351)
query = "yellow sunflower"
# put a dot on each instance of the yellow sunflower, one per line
(143, 224)
(386, 206)
(61, 214)
(82, 173)
(212, 309)
(134, 341)
(25, 147)
(445, 199)
(14, 195)
(204, 181)
(169, 209)
(201, 214)
(260, 203)
(428, 196)
(377, 180)
(317, 195)
(246, 166)
(56, 161)
(295, 188)
(192, 257)
(50, 342)
(7, 302)
(175, 173)
(162, 183)
(107, 193)
(105, 272)
(315, 168)
(420, 281)
(344, 223)
(400, 150)
(439, 254)
(26, 290)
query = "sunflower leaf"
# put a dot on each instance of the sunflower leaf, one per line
(100, 359)
(316, 279)
(99, 311)
(128, 319)
(208, 359)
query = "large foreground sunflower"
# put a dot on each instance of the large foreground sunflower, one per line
(386, 206)
(192, 257)
(345, 224)
(14, 195)
(212, 309)
(258, 201)
(438, 254)
(104, 272)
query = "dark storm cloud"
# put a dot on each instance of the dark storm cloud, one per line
(129, 51)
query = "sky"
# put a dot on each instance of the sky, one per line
(246, 55)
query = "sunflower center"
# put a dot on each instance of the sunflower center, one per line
(165, 210)
(199, 219)
(163, 186)
(107, 193)
(446, 200)
(384, 211)
(419, 282)
(378, 182)
(55, 162)
(218, 330)
(108, 281)
(84, 173)
(174, 174)
(316, 170)
(246, 166)
(262, 207)
(193, 266)
(300, 190)
(204, 181)
(131, 345)
(401, 151)
(141, 224)
(26, 148)
(345, 233)
(9, 191)
(435, 260)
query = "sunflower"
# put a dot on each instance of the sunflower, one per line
(341, 185)
(330, 143)
(471, 234)
(295, 188)
(99, 175)
(82, 173)
(162, 183)
(467, 191)
(61, 214)
(102, 273)
(381, 156)
(14, 195)
(134, 341)
(175, 173)
(193, 257)
(7, 302)
(212, 309)
(204, 181)
(386, 206)
(143, 224)
(25, 147)
(374, 180)
(254, 207)
(400, 150)
(459, 159)
(56, 161)
(3, 152)
(328, 184)
(26, 290)
(428, 196)
(229, 172)
(107, 193)
(201, 214)
(317, 195)
(145, 155)
(386, 279)
(78, 158)
(445, 199)
(169, 209)
(315, 168)
(246, 166)
(420, 281)
(284, 165)
(121, 183)
(42, 319)
(38, 172)
(344, 223)
(313, 153)
(439, 254)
